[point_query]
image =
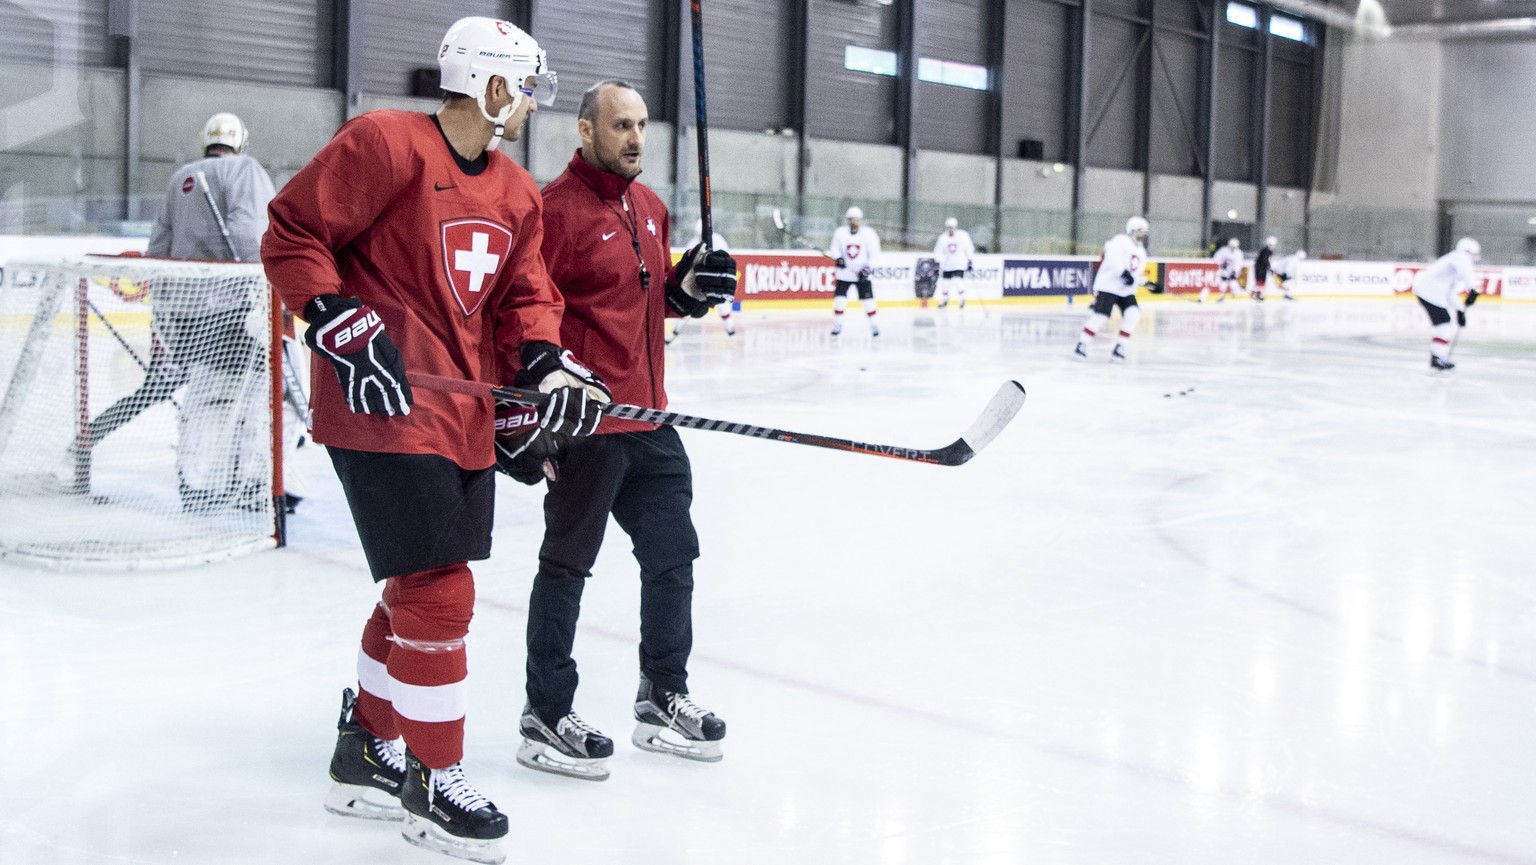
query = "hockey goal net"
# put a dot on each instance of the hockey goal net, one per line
(139, 415)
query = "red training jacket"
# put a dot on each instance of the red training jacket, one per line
(592, 221)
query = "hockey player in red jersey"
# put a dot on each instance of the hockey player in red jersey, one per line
(411, 245)
(606, 239)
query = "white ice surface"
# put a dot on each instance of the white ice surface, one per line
(1288, 616)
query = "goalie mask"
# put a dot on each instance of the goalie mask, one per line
(224, 129)
(477, 49)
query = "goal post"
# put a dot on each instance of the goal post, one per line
(140, 412)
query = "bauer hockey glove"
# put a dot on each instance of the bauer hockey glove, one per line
(351, 336)
(576, 394)
(525, 451)
(702, 279)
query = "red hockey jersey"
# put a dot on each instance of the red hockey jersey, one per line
(598, 228)
(450, 260)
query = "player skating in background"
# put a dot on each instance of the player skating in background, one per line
(854, 247)
(413, 227)
(1258, 281)
(725, 309)
(203, 341)
(956, 254)
(617, 294)
(1120, 273)
(1285, 270)
(1439, 287)
(1229, 265)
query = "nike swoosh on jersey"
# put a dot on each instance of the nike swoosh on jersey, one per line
(609, 234)
(441, 188)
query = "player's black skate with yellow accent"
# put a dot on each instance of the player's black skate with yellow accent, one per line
(367, 770)
(670, 723)
(445, 814)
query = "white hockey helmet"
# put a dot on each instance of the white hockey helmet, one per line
(226, 129)
(1301, 255)
(1271, 241)
(1135, 224)
(951, 223)
(1234, 243)
(854, 213)
(1469, 246)
(476, 49)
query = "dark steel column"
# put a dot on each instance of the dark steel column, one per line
(1079, 117)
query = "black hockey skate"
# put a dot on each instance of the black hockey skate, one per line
(1118, 355)
(447, 815)
(1438, 364)
(670, 723)
(572, 747)
(1081, 352)
(367, 770)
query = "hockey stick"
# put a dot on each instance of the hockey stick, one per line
(202, 182)
(701, 118)
(1004, 405)
(778, 222)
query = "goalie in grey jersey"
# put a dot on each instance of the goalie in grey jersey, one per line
(211, 338)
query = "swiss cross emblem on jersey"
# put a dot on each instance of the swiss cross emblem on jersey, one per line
(474, 251)
(853, 250)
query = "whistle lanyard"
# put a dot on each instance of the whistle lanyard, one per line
(631, 222)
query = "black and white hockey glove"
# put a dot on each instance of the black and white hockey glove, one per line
(865, 272)
(351, 336)
(525, 451)
(701, 281)
(840, 261)
(575, 392)
(1126, 278)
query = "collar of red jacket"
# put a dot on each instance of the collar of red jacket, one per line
(605, 183)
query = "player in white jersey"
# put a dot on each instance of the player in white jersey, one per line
(1121, 271)
(718, 242)
(956, 254)
(1438, 288)
(1285, 270)
(1229, 264)
(854, 247)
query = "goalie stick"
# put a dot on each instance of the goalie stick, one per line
(1003, 406)
(778, 222)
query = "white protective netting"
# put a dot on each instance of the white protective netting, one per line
(136, 412)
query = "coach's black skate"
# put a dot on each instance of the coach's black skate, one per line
(367, 770)
(570, 747)
(447, 815)
(1436, 363)
(670, 723)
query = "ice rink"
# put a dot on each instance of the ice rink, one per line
(1262, 596)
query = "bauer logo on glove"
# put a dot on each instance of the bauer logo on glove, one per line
(351, 336)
